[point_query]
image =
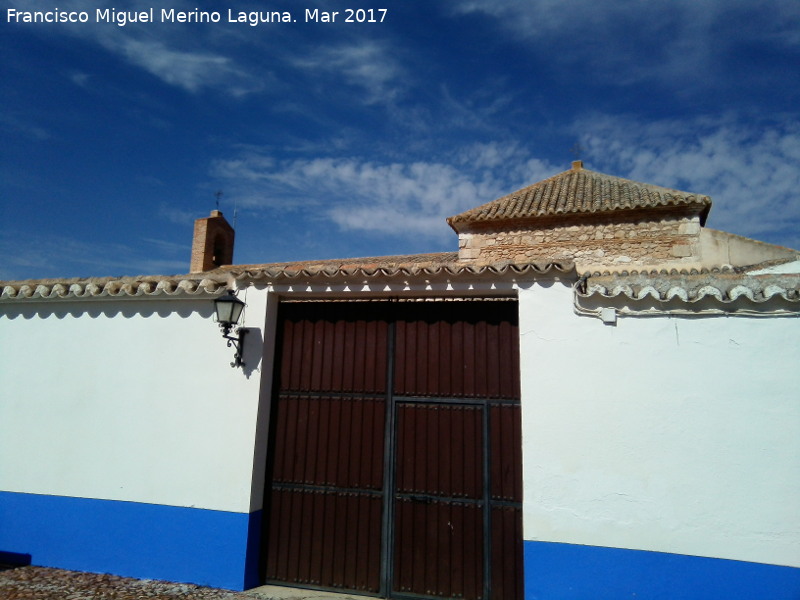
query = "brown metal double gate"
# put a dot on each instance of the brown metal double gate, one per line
(396, 453)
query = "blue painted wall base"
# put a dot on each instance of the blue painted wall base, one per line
(556, 571)
(147, 541)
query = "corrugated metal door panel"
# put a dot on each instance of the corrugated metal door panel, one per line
(506, 567)
(467, 350)
(454, 511)
(505, 435)
(327, 539)
(439, 467)
(505, 454)
(325, 509)
(439, 549)
(330, 441)
(467, 356)
(439, 450)
(327, 348)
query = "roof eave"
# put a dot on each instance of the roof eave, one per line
(215, 282)
(700, 209)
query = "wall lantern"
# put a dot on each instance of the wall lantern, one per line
(229, 309)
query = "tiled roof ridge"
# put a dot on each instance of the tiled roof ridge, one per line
(167, 286)
(433, 257)
(580, 191)
(442, 269)
(216, 281)
(722, 270)
(725, 285)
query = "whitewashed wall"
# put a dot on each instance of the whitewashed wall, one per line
(129, 400)
(669, 434)
(128, 444)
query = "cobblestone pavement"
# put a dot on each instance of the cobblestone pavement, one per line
(41, 583)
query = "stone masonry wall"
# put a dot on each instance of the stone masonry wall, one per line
(597, 245)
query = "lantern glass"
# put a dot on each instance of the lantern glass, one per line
(228, 308)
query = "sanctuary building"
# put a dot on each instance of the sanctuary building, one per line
(594, 396)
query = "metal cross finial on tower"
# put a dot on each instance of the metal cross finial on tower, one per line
(576, 150)
(218, 195)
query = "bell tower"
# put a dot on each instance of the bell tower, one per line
(212, 245)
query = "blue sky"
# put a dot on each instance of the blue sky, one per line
(344, 139)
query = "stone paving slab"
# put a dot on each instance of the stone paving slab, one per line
(274, 592)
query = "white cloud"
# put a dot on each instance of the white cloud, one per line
(392, 198)
(190, 70)
(248, 167)
(166, 51)
(751, 170)
(80, 79)
(22, 125)
(177, 216)
(61, 256)
(366, 65)
(644, 40)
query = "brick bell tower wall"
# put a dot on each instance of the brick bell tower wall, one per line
(212, 245)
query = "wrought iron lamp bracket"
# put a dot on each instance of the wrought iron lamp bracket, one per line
(236, 342)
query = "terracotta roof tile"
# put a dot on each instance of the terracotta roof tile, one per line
(725, 285)
(439, 267)
(580, 191)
